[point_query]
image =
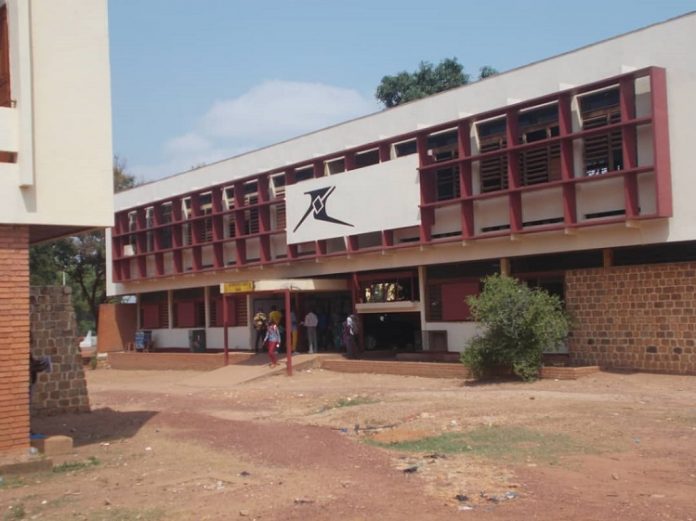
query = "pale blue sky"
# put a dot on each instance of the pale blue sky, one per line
(197, 81)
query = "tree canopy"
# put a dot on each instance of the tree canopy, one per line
(428, 79)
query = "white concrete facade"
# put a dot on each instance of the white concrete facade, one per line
(59, 121)
(666, 45)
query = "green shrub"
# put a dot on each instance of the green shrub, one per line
(518, 323)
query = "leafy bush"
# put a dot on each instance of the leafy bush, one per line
(519, 324)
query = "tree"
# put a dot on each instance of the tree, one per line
(122, 179)
(519, 324)
(427, 80)
(486, 72)
(81, 260)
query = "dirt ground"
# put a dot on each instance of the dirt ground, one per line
(332, 446)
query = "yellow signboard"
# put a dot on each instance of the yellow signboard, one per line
(246, 286)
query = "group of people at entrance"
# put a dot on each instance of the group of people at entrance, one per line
(270, 331)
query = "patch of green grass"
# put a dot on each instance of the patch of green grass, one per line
(8, 482)
(512, 444)
(14, 512)
(126, 514)
(70, 466)
(348, 402)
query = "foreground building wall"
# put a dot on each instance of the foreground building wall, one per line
(55, 163)
(14, 338)
(635, 317)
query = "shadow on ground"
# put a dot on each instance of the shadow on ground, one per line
(97, 426)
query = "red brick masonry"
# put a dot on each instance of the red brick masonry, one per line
(634, 317)
(14, 338)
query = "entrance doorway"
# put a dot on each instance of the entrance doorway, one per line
(331, 309)
(392, 331)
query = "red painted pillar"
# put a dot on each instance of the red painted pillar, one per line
(224, 328)
(288, 333)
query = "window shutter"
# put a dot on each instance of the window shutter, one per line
(454, 295)
(151, 316)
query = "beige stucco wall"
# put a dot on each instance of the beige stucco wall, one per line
(59, 56)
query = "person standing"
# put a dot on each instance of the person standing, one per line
(260, 322)
(272, 340)
(276, 316)
(350, 335)
(293, 332)
(310, 322)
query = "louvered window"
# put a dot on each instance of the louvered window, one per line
(186, 214)
(207, 222)
(228, 219)
(154, 311)
(132, 226)
(149, 223)
(447, 184)
(278, 192)
(251, 216)
(163, 307)
(602, 152)
(189, 308)
(493, 171)
(443, 147)
(543, 164)
(236, 310)
(166, 232)
(435, 302)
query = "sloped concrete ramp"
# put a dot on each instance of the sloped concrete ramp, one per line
(253, 368)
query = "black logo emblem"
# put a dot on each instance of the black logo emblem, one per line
(318, 206)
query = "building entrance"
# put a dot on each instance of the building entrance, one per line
(392, 331)
(331, 309)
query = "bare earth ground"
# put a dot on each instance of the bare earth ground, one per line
(606, 447)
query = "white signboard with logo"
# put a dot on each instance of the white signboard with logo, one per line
(370, 199)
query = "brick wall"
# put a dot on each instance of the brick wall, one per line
(174, 361)
(14, 338)
(53, 328)
(634, 317)
(425, 369)
(117, 325)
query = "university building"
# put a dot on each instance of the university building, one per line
(574, 174)
(55, 165)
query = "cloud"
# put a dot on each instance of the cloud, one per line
(268, 113)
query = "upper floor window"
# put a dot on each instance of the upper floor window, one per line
(493, 170)
(251, 215)
(602, 152)
(405, 148)
(165, 232)
(367, 158)
(539, 164)
(335, 166)
(443, 146)
(304, 173)
(447, 184)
